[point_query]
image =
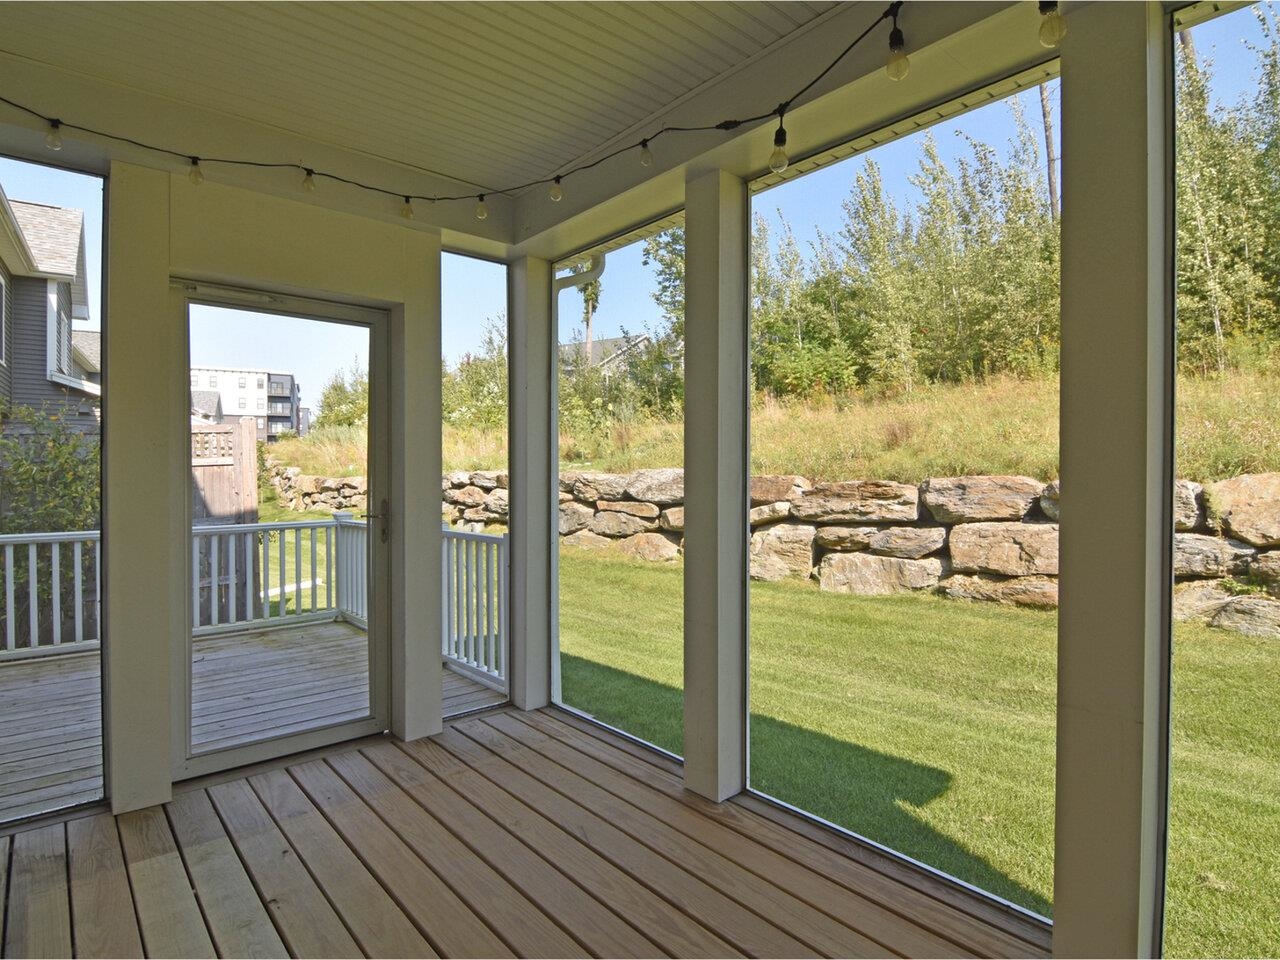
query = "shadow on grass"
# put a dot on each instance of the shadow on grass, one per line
(861, 789)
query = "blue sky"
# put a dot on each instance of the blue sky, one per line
(474, 291)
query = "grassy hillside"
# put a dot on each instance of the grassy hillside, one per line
(1226, 426)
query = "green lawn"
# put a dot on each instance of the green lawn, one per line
(928, 725)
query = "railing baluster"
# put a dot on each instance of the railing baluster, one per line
(266, 574)
(314, 531)
(250, 543)
(468, 653)
(503, 554)
(97, 586)
(284, 540)
(215, 580)
(55, 573)
(195, 580)
(330, 564)
(297, 570)
(33, 597)
(491, 635)
(77, 561)
(10, 609)
(233, 614)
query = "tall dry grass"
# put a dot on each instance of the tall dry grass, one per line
(1226, 426)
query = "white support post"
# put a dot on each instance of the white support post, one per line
(533, 452)
(146, 503)
(715, 452)
(415, 436)
(1116, 437)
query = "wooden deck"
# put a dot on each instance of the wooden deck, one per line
(244, 687)
(525, 834)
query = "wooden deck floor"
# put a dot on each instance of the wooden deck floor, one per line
(244, 687)
(527, 834)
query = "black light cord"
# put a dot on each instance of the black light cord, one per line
(56, 123)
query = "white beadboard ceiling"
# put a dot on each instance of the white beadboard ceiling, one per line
(488, 94)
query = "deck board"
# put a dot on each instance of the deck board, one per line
(511, 833)
(245, 687)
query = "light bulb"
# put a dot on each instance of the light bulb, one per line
(897, 66)
(53, 139)
(556, 193)
(1052, 25)
(309, 181)
(195, 174)
(407, 210)
(778, 159)
(646, 155)
(482, 212)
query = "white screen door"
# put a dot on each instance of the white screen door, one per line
(287, 646)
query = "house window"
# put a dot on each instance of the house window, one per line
(213, 381)
(260, 383)
(262, 422)
(242, 382)
(4, 319)
(195, 380)
(242, 403)
(262, 404)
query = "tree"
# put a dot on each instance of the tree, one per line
(344, 402)
(1222, 237)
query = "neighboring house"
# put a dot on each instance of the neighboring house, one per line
(42, 276)
(86, 350)
(272, 399)
(608, 354)
(284, 401)
(206, 406)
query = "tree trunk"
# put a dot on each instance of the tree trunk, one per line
(1050, 152)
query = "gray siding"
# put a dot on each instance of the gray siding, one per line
(6, 349)
(30, 385)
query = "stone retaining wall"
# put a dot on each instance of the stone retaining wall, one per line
(989, 538)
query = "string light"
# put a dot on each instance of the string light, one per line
(778, 159)
(1052, 25)
(897, 68)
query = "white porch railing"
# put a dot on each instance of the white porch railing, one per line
(474, 584)
(251, 575)
(268, 574)
(52, 590)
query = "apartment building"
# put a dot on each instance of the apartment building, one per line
(273, 399)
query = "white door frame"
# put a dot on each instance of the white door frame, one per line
(188, 763)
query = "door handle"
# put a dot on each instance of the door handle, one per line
(383, 514)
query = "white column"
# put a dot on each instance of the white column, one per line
(415, 440)
(532, 462)
(1116, 476)
(146, 503)
(715, 459)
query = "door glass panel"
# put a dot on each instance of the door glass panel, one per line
(280, 548)
(1224, 811)
(50, 492)
(621, 490)
(903, 530)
